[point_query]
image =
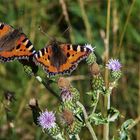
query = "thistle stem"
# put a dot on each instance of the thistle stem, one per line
(47, 86)
(88, 125)
(77, 137)
(96, 103)
(107, 99)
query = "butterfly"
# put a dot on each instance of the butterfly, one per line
(14, 44)
(61, 58)
(55, 58)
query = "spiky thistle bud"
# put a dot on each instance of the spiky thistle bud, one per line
(97, 83)
(76, 94)
(91, 58)
(75, 127)
(69, 94)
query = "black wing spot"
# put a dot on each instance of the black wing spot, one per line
(18, 46)
(74, 47)
(68, 47)
(24, 39)
(28, 44)
(48, 57)
(82, 49)
(1, 27)
(43, 52)
(68, 54)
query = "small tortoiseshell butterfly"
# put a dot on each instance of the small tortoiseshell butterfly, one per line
(14, 44)
(58, 58)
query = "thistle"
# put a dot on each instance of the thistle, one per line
(114, 65)
(47, 121)
(91, 58)
(69, 94)
(97, 81)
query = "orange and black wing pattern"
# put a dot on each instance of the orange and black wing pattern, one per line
(64, 63)
(14, 44)
(75, 54)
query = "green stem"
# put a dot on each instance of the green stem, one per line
(77, 137)
(47, 86)
(107, 99)
(88, 125)
(85, 20)
(96, 103)
(125, 26)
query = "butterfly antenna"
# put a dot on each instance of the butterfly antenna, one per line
(42, 31)
(67, 29)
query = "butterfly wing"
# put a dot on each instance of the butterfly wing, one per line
(42, 58)
(74, 54)
(14, 44)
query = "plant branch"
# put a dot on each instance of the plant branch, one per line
(47, 85)
(125, 26)
(65, 13)
(96, 103)
(107, 99)
(136, 121)
(87, 122)
(85, 20)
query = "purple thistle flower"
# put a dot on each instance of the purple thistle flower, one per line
(47, 120)
(114, 65)
(66, 95)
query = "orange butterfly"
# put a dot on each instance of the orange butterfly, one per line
(55, 58)
(14, 44)
(58, 58)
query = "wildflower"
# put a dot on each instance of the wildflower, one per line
(90, 47)
(114, 65)
(66, 95)
(47, 120)
(91, 57)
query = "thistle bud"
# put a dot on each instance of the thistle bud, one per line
(75, 127)
(63, 83)
(94, 69)
(97, 82)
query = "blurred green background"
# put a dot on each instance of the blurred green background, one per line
(87, 19)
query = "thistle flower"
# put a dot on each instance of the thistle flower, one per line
(47, 120)
(114, 65)
(66, 95)
(91, 57)
(90, 47)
